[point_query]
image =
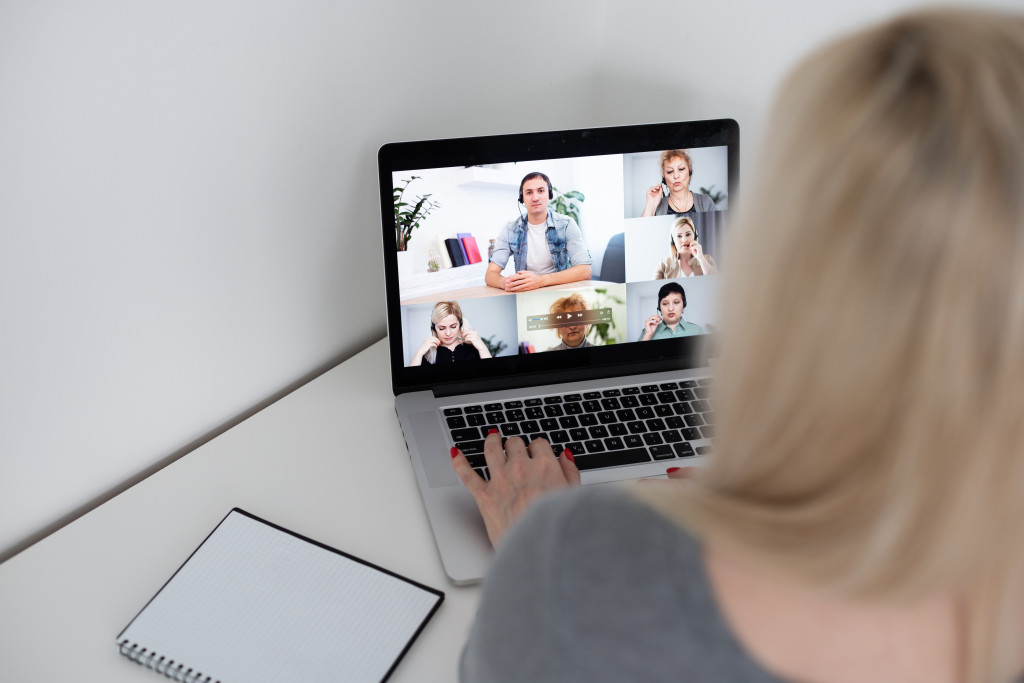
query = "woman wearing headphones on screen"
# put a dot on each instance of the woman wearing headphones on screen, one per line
(676, 171)
(861, 518)
(451, 338)
(686, 256)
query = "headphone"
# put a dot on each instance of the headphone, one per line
(672, 235)
(530, 176)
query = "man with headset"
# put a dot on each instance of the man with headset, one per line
(547, 247)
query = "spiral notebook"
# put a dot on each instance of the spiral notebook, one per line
(256, 602)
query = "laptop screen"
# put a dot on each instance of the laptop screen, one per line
(563, 254)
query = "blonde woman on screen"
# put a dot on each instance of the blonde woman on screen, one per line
(451, 338)
(686, 256)
(861, 518)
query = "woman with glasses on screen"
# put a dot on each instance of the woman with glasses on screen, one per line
(860, 519)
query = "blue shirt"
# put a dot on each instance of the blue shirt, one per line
(683, 329)
(565, 241)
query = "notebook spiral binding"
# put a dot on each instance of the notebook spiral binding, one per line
(167, 667)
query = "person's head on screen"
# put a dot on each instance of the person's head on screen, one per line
(571, 335)
(446, 323)
(676, 170)
(535, 193)
(671, 302)
(870, 441)
(682, 234)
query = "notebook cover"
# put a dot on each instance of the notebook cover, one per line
(472, 252)
(462, 244)
(455, 251)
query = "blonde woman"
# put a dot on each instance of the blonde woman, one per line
(451, 338)
(861, 519)
(686, 256)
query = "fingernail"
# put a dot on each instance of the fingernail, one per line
(455, 451)
(493, 431)
(673, 469)
(568, 454)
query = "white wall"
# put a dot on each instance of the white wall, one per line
(188, 190)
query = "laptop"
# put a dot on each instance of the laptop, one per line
(586, 329)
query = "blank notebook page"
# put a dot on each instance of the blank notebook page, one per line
(255, 603)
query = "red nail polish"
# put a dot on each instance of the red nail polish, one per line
(673, 469)
(455, 451)
(568, 454)
(493, 431)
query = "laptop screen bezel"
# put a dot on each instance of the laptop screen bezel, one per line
(541, 368)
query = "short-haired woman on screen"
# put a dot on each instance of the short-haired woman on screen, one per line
(686, 256)
(451, 338)
(668, 322)
(571, 336)
(861, 517)
(676, 171)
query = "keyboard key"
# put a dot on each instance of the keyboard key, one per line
(707, 431)
(548, 424)
(559, 436)
(629, 401)
(709, 417)
(572, 398)
(588, 420)
(550, 400)
(636, 427)
(645, 412)
(625, 415)
(614, 444)
(667, 386)
(688, 384)
(469, 448)
(510, 429)
(568, 422)
(672, 436)
(448, 412)
(648, 399)
(476, 420)
(490, 407)
(573, 408)
(591, 406)
(610, 403)
(497, 417)
(630, 391)
(682, 408)
(534, 413)
(457, 422)
(649, 388)
(530, 426)
(683, 449)
(578, 434)
(554, 411)
(594, 446)
(618, 429)
(662, 452)
(598, 432)
(701, 406)
(515, 415)
(674, 422)
(703, 450)
(666, 396)
(532, 402)
(591, 395)
(656, 425)
(509, 405)
(607, 393)
(629, 456)
(468, 434)
(652, 439)
(633, 441)
(474, 409)
(694, 420)
(606, 417)
(685, 395)
(691, 434)
(663, 410)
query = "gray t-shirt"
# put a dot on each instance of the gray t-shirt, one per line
(594, 585)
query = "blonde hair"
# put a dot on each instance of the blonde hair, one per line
(678, 223)
(442, 309)
(872, 445)
(670, 154)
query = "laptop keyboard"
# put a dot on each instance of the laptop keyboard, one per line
(608, 428)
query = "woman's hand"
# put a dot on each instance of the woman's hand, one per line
(653, 198)
(471, 336)
(650, 325)
(429, 343)
(697, 251)
(516, 480)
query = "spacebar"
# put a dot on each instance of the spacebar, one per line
(630, 456)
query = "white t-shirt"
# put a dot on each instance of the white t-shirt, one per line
(538, 256)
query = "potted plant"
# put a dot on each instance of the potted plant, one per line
(409, 215)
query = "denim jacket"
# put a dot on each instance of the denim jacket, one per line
(565, 240)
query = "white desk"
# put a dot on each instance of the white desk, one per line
(327, 461)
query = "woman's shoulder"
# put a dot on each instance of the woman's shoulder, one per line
(703, 202)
